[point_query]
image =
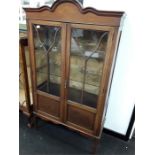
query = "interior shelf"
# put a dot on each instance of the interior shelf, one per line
(74, 94)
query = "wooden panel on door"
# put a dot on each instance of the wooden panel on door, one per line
(48, 105)
(80, 117)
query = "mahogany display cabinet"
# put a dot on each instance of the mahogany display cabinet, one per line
(72, 52)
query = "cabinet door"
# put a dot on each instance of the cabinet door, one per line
(87, 52)
(48, 66)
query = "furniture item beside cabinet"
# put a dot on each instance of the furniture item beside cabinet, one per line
(25, 101)
(73, 52)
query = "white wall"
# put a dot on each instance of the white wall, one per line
(122, 94)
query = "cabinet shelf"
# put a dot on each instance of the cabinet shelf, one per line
(74, 94)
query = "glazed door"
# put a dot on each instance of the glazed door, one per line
(47, 53)
(87, 52)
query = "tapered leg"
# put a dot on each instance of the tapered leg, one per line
(35, 122)
(95, 146)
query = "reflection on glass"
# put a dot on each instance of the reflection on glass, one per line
(47, 43)
(87, 54)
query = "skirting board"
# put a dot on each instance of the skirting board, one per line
(129, 130)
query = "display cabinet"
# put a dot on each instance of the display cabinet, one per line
(73, 52)
(25, 96)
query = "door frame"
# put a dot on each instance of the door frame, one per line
(33, 64)
(101, 96)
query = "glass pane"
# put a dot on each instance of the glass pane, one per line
(47, 42)
(86, 62)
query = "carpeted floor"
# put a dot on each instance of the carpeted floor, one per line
(51, 139)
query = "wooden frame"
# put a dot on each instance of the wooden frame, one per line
(68, 14)
(105, 69)
(32, 58)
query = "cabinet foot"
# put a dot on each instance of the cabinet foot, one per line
(95, 146)
(29, 125)
(32, 122)
(29, 122)
(35, 122)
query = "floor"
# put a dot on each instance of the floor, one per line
(50, 139)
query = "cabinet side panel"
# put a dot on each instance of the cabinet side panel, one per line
(32, 62)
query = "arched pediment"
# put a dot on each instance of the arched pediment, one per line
(72, 11)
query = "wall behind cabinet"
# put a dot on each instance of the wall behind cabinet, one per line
(121, 99)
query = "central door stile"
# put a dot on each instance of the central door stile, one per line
(67, 59)
(63, 71)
